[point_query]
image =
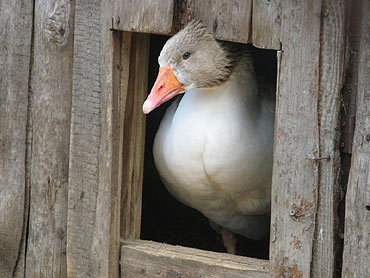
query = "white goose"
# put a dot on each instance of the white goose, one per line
(213, 149)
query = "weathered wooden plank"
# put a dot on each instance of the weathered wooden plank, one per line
(357, 220)
(134, 78)
(266, 24)
(229, 20)
(83, 185)
(332, 50)
(15, 53)
(105, 245)
(297, 154)
(154, 16)
(51, 85)
(149, 259)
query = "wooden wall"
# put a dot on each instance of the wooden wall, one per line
(71, 167)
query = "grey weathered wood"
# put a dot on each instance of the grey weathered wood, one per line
(332, 50)
(297, 155)
(134, 79)
(229, 20)
(15, 52)
(105, 245)
(83, 185)
(149, 259)
(266, 24)
(357, 221)
(51, 85)
(148, 16)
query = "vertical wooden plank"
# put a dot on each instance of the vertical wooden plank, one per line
(83, 185)
(15, 53)
(134, 79)
(266, 24)
(184, 12)
(296, 155)
(331, 81)
(51, 85)
(357, 220)
(105, 245)
(350, 88)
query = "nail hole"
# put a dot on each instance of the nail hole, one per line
(367, 207)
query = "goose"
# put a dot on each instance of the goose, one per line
(213, 149)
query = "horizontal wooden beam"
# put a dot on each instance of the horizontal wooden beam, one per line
(142, 259)
(146, 16)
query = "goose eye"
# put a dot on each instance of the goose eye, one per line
(186, 56)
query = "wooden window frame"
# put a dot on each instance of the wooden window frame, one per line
(142, 258)
(306, 158)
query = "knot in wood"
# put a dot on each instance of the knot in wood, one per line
(57, 23)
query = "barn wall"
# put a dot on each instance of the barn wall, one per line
(61, 125)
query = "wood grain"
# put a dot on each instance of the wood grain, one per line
(147, 16)
(229, 20)
(105, 245)
(332, 51)
(266, 24)
(149, 259)
(15, 54)
(134, 80)
(357, 217)
(51, 85)
(83, 184)
(296, 154)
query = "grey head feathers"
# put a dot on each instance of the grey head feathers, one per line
(210, 63)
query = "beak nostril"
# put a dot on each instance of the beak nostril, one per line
(160, 87)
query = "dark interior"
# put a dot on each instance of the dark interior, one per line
(164, 219)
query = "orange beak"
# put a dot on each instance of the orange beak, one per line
(165, 87)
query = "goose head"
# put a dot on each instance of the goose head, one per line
(190, 59)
